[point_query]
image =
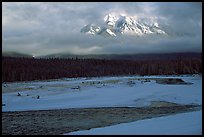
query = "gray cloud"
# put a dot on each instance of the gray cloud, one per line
(45, 28)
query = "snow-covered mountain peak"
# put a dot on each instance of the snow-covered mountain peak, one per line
(114, 25)
(126, 18)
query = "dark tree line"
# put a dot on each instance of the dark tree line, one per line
(27, 69)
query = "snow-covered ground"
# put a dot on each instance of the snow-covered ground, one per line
(98, 92)
(124, 91)
(179, 124)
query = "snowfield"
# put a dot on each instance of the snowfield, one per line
(123, 91)
(98, 92)
(179, 124)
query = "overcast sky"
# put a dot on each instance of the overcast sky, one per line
(46, 28)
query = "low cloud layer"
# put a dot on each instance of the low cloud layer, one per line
(46, 28)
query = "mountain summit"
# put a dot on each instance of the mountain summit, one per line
(117, 25)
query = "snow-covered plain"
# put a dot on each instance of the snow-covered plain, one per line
(98, 92)
(179, 124)
(123, 91)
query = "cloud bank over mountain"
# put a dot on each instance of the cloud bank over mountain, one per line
(46, 28)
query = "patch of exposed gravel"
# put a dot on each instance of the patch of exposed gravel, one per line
(55, 122)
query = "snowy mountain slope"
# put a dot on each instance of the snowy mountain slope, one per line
(116, 25)
(91, 29)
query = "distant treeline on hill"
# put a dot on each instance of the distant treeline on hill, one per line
(27, 69)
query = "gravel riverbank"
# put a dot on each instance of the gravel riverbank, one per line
(59, 121)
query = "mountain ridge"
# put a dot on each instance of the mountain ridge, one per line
(122, 24)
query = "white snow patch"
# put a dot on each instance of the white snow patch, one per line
(180, 124)
(60, 95)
